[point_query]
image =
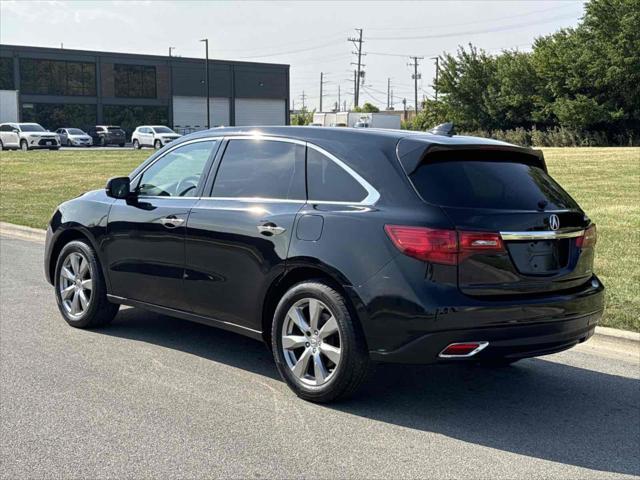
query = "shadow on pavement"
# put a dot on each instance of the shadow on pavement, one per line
(536, 408)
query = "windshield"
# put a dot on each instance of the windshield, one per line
(75, 131)
(31, 127)
(486, 184)
(163, 130)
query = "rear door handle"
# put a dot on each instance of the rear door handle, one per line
(269, 229)
(172, 221)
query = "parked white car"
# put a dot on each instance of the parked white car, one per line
(74, 137)
(156, 136)
(27, 136)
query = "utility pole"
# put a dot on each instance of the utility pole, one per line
(344, 105)
(357, 42)
(415, 77)
(304, 97)
(404, 109)
(338, 97)
(392, 102)
(435, 86)
(206, 66)
(170, 50)
(322, 82)
(355, 87)
(388, 93)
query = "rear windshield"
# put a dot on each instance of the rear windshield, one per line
(114, 129)
(491, 185)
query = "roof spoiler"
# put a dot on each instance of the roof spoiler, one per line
(445, 129)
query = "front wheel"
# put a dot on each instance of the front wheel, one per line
(136, 144)
(24, 146)
(80, 288)
(319, 351)
(157, 144)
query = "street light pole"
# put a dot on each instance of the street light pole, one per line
(171, 49)
(206, 45)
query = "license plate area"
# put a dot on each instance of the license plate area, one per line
(539, 257)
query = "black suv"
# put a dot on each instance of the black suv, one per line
(338, 247)
(104, 135)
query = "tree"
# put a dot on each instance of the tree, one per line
(367, 108)
(303, 117)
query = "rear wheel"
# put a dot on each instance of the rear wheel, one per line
(80, 289)
(319, 352)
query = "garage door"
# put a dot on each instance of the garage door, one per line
(260, 111)
(191, 112)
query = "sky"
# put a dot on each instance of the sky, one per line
(311, 37)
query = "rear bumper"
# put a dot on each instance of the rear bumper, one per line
(514, 342)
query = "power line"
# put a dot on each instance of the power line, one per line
(476, 32)
(488, 20)
(301, 50)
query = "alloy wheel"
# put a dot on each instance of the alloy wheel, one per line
(76, 284)
(311, 342)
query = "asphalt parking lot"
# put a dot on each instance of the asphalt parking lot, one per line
(153, 396)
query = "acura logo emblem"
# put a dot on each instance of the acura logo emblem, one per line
(554, 222)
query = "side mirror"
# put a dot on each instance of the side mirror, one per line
(119, 187)
(15, 130)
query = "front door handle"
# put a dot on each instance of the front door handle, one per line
(172, 221)
(269, 229)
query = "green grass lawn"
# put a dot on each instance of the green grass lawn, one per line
(605, 181)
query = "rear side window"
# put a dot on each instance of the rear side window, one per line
(490, 185)
(327, 181)
(261, 168)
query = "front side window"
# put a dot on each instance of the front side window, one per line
(329, 182)
(178, 173)
(261, 168)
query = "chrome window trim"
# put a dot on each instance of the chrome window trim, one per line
(372, 194)
(544, 235)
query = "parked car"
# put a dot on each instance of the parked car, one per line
(338, 247)
(104, 135)
(156, 136)
(74, 137)
(27, 136)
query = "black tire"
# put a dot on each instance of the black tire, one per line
(24, 146)
(1, 146)
(353, 366)
(54, 148)
(68, 142)
(100, 311)
(136, 144)
(103, 142)
(157, 144)
(121, 145)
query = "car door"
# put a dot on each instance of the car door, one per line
(145, 234)
(9, 136)
(62, 133)
(147, 135)
(239, 235)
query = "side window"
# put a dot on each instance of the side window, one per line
(261, 168)
(178, 173)
(5, 128)
(327, 181)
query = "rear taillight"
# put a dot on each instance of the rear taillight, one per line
(588, 239)
(447, 247)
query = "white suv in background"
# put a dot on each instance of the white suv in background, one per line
(27, 136)
(155, 136)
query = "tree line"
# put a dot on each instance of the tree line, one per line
(578, 86)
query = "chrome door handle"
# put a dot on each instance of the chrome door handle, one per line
(172, 221)
(270, 229)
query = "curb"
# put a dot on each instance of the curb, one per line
(21, 232)
(616, 335)
(38, 235)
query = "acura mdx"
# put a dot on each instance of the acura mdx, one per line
(338, 247)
